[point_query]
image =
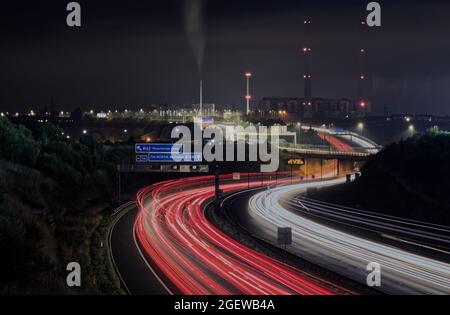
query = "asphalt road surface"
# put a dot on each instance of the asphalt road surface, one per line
(169, 242)
(136, 273)
(344, 253)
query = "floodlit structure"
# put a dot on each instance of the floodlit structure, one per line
(248, 97)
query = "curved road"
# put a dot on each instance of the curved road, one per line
(402, 271)
(189, 255)
(136, 274)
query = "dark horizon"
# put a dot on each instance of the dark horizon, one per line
(137, 54)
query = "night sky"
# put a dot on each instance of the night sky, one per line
(136, 53)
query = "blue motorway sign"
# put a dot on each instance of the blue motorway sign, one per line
(182, 157)
(168, 157)
(158, 148)
(164, 152)
(141, 158)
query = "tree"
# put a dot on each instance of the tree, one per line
(17, 144)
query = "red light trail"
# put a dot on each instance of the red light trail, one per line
(335, 142)
(197, 258)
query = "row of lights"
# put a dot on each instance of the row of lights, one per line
(360, 126)
(410, 127)
(85, 132)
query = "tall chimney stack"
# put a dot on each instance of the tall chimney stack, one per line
(201, 99)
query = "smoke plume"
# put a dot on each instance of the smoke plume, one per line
(194, 25)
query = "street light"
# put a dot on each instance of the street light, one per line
(248, 97)
(361, 128)
(85, 132)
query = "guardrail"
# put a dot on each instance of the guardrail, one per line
(331, 151)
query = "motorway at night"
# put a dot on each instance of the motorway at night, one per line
(208, 156)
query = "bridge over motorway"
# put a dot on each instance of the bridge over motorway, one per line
(343, 145)
(329, 152)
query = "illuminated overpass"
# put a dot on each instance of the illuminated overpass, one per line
(360, 148)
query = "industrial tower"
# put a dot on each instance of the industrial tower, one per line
(307, 75)
(361, 97)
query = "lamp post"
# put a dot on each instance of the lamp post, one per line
(411, 129)
(248, 97)
(361, 128)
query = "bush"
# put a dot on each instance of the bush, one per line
(17, 144)
(20, 259)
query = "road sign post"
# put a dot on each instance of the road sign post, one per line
(284, 236)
